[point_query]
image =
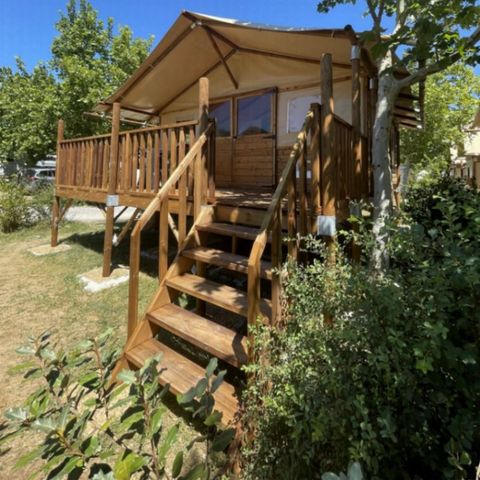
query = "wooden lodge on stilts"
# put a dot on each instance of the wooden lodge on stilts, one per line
(250, 137)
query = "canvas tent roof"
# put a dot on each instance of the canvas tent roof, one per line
(231, 53)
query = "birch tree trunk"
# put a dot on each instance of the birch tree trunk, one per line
(382, 175)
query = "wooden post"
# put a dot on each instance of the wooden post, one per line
(356, 120)
(203, 98)
(56, 199)
(328, 175)
(315, 168)
(112, 188)
(201, 172)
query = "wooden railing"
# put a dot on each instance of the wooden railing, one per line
(297, 206)
(305, 185)
(146, 158)
(83, 162)
(191, 168)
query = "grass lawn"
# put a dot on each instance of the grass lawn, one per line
(37, 293)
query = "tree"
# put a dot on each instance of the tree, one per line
(91, 62)
(29, 108)
(451, 100)
(88, 63)
(427, 37)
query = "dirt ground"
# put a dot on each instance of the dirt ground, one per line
(37, 293)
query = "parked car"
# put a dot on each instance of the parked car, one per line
(37, 177)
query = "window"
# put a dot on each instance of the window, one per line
(221, 113)
(254, 114)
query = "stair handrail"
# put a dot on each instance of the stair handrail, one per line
(160, 199)
(271, 220)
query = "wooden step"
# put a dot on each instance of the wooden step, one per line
(181, 374)
(211, 337)
(223, 296)
(230, 261)
(229, 229)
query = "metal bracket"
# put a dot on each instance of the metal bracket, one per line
(326, 225)
(112, 201)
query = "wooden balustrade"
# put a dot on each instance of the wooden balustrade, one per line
(178, 180)
(272, 221)
(83, 162)
(305, 162)
(146, 159)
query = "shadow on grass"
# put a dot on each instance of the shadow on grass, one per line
(121, 253)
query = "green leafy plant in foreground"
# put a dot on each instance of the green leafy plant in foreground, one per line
(109, 432)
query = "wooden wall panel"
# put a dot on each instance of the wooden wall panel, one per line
(253, 161)
(223, 162)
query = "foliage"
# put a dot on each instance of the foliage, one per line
(394, 383)
(409, 40)
(451, 100)
(89, 61)
(29, 108)
(14, 212)
(106, 431)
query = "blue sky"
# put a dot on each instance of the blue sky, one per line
(27, 27)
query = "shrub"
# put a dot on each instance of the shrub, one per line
(14, 211)
(103, 431)
(394, 383)
(19, 208)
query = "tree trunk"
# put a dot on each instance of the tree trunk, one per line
(382, 175)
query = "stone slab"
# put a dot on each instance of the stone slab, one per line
(49, 250)
(94, 282)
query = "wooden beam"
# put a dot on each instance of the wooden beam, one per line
(222, 59)
(285, 56)
(112, 187)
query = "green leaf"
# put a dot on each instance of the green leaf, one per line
(222, 440)
(127, 422)
(201, 387)
(195, 473)
(177, 464)
(126, 466)
(45, 425)
(186, 397)
(28, 458)
(127, 376)
(88, 378)
(167, 443)
(355, 472)
(330, 476)
(213, 419)
(156, 420)
(211, 367)
(26, 350)
(103, 476)
(16, 414)
(218, 381)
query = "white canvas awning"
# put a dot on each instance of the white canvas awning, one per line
(235, 56)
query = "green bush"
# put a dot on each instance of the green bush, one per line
(394, 384)
(14, 212)
(20, 208)
(109, 432)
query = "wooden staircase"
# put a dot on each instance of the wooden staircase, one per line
(207, 247)
(243, 244)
